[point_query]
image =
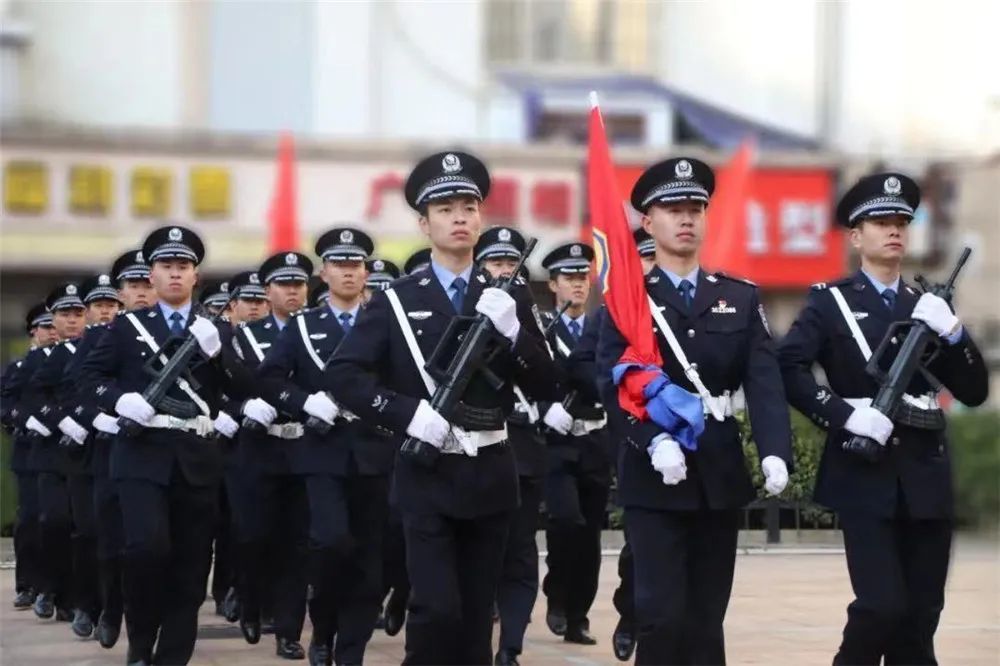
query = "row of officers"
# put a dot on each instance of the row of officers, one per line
(291, 423)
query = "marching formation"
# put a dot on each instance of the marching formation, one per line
(378, 452)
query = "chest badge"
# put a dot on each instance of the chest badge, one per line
(317, 336)
(419, 315)
(723, 308)
(860, 315)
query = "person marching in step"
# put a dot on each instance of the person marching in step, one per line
(165, 460)
(46, 458)
(681, 505)
(214, 298)
(345, 462)
(896, 513)
(579, 457)
(498, 251)
(458, 491)
(27, 550)
(381, 273)
(250, 302)
(273, 544)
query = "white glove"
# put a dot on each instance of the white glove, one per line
(260, 411)
(225, 424)
(105, 423)
(668, 459)
(207, 335)
(501, 309)
(558, 419)
(936, 312)
(320, 406)
(775, 474)
(428, 426)
(133, 406)
(38, 426)
(869, 422)
(69, 427)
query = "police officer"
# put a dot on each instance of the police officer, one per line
(273, 542)
(345, 462)
(579, 469)
(456, 508)
(498, 251)
(897, 513)
(38, 325)
(168, 473)
(214, 297)
(248, 299)
(417, 261)
(381, 273)
(681, 505)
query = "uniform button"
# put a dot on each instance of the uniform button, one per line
(894, 340)
(895, 441)
(420, 331)
(941, 449)
(690, 332)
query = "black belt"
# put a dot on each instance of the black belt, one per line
(924, 419)
(477, 418)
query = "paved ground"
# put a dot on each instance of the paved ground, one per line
(787, 608)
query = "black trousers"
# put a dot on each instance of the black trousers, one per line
(898, 569)
(27, 547)
(85, 590)
(347, 518)
(168, 539)
(230, 531)
(574, 558)
(56, 528)
(518, 587)
(110, 544)
(624, 595)
(683, 563)
(273, 553)
(454, 566)
(394, 576)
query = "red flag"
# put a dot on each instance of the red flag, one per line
(726, 234)
(284, 224)
(618, 267)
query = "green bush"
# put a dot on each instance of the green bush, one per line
(975, 452)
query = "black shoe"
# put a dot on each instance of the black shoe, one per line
(287, 649)
(44, 606)
(556, 621)
(24, 600)
(108, 631)
(320, 654)
(83, 625)
(623, 641)
(580, 636)
(250, 629)
(231, 606)
(506, 658)
(64, 615)
(395, 614)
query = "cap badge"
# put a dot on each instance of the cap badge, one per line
(504, 235)
(224, 286)
(291, 259)
(71, 290)
(378, 265)
(683, 170)
(892, 186)
(346, 236)
(576, 251)
(254, 279)
(138, 257)
(103, 280)
(451, 163)
(175, 234)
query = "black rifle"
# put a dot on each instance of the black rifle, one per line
(911, 359)
(479, 342)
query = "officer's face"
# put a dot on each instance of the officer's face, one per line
(251, 309)
(173, 280)
(69, 322)
(881, 239)
(101, 311)
(452, 224)
(287, 297)
(43, 336)
(677, 228)
(571, 288)
(136, 294)
(500, 267)
(647, 263)
(346, 279)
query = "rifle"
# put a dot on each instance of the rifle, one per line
(570, 397)
(910, 360)
(479, 343)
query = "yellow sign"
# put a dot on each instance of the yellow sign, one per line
(150, 192)
(209, 191)
(90, 190)
(25, 187)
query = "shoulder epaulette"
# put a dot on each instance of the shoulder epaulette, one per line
(733, 278)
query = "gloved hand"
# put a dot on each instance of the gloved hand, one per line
(225, 424)
(69, 427)
(936, 313)
(428, 426)
(37, 426)
(558, 419)
(105, 423)
(207, 335)
(668, 459)
(501, 309)
(775, 474)
(260, 411)
(133, 406)
(320, 406)
(869, 422)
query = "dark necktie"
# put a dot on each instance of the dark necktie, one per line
(686, 289)
(176, 323)
(345, 321)
(574, 329)
(458, 293)
(889, 296)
